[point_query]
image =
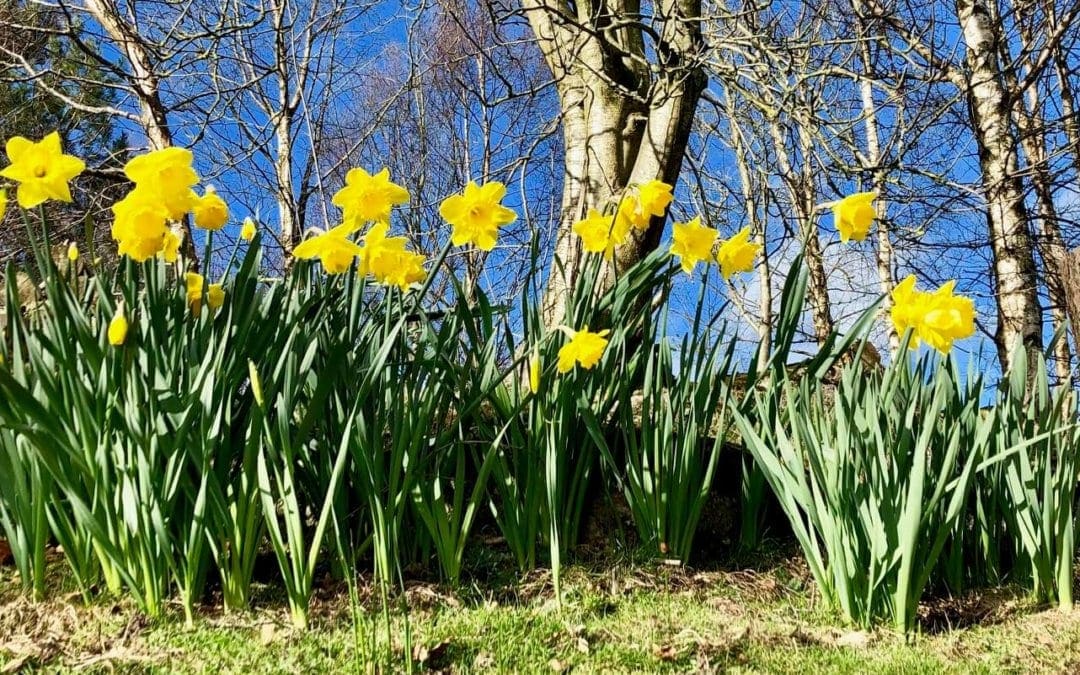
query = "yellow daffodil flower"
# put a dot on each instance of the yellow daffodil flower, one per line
(737, 254)
(854, 214)
(3, 202)
(210, 210)
(368, 198)
(400, 268)
(334, 249)
(937, 318)
(376, 243)
(140, 225)
(170, 249)
(630, 216)
(692, 242)
(653, 198)
(168, 175)
(948, 317)
(534, 372)
(907, 307)
(215, 296)
(477, 214)
(118, 327)
(584, 348)
(386, 259)
(73, 252)
(193, 281)
(247, 231)
(41, 169)
(601, 234)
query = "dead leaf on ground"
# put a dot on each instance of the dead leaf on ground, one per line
(428, 596)
(267, 634)
(858, 639)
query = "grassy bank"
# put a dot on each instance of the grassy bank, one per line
(624, 617)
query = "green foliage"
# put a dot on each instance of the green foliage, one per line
(335, 423)
(1021, 518)
(1036, 485)
(672, 431)
(873, 479)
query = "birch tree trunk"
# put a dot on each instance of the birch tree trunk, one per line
(282, 120)
(1031, 125)
(750, 190)
(1070, 117)
(152, 112)
(873, 163)
(144, 82)
(1015, 279)
(800, 189)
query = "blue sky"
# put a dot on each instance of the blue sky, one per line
(935, 233)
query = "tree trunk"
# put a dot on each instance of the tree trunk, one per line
(750, 202)
(282, 119)
(1070, 281)
(153, 115)
(1032, 132)
(290, 231)
(1019, 314)
(873, 163)
(622, 124)
(800, 189)
(1070, 117)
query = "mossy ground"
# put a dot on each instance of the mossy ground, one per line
(618, 617)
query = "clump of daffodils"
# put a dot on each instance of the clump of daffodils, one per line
(145, 222)
(691, 242)
(366, 199)
(475, 217)
(601, 233)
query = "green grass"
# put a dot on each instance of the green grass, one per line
(620, 618)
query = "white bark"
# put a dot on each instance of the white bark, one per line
(1031, 126)
(800, 187)
(282, 120)
(153, 116)
(1019, 314)
(144, 82)
(873, 163)
(749, 190)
